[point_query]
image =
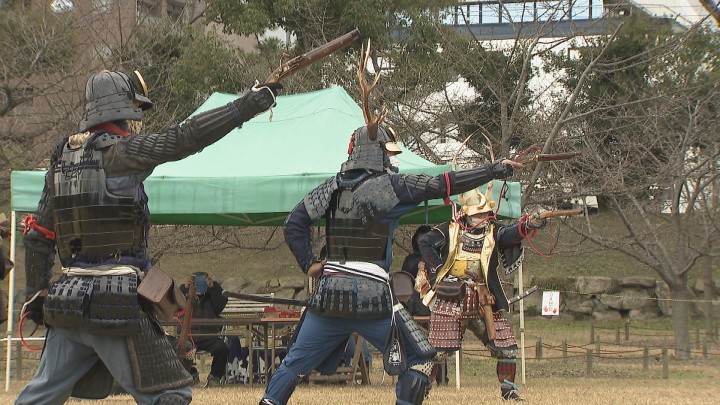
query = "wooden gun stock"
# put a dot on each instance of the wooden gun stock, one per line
(185, 325)
(546, 157)
(559, 213)
(298, 63)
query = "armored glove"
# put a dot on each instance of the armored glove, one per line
(536, 222)
(34, 309)
(255, 101)
(502, 170)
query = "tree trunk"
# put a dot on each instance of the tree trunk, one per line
(709, 296)
(681, 310)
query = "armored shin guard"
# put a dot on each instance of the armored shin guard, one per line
(412, 387)
(506, 369)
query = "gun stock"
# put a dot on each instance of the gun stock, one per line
(300, 62)
(547, 157)
(559, 213)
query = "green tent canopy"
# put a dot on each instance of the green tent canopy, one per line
(256, 174)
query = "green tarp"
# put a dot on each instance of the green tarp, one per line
(257, 174)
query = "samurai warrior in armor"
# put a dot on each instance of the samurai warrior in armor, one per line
(461, 259)
(94, 213)
(362, 206)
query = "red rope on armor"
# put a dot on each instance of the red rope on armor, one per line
(110, 127)
(528, 236)
(31, 223)
(446, 199)
(352, 143)
(22, 338)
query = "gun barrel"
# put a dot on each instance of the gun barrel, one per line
(300, 62)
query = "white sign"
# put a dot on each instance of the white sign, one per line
(551, 303)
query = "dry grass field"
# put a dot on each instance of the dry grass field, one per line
(538, 390)
(618, 376)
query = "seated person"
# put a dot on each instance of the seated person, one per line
(209, 303)
(410, 265)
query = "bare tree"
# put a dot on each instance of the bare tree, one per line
(640, 101)
(39, 71)
(646, 124)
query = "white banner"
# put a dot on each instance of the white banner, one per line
(551, 303)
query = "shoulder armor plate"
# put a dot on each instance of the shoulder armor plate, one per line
(317, 202)
(104, 140)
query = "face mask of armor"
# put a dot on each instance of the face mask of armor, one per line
(474, 220)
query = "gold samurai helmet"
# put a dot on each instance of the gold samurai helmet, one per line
(474, 202)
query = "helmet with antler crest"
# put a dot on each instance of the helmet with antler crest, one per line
(369, 143)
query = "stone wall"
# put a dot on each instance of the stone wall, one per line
(604, 298)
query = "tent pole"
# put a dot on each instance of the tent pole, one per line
(11, 301)
(427, 213)
(522, 325)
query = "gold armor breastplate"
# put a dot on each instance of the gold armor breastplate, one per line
(468, 258)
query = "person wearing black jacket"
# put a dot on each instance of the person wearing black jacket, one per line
(209, 304)
(410, 265)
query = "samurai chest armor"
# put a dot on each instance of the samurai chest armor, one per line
(468, 258)
(92, 223)
(355, 230)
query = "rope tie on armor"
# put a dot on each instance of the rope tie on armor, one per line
(511, 385)
(107, 270)
(529, 236)
(22, 320)
(351, 146)
(446, 199)
(257, 88)
(30, 222)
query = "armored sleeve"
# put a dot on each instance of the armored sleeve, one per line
(145, 151)
(421, 187)
(298, 237)
(509, 235)
(39, 247)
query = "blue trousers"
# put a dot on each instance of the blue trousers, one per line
(69, 354)
(319, 336)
